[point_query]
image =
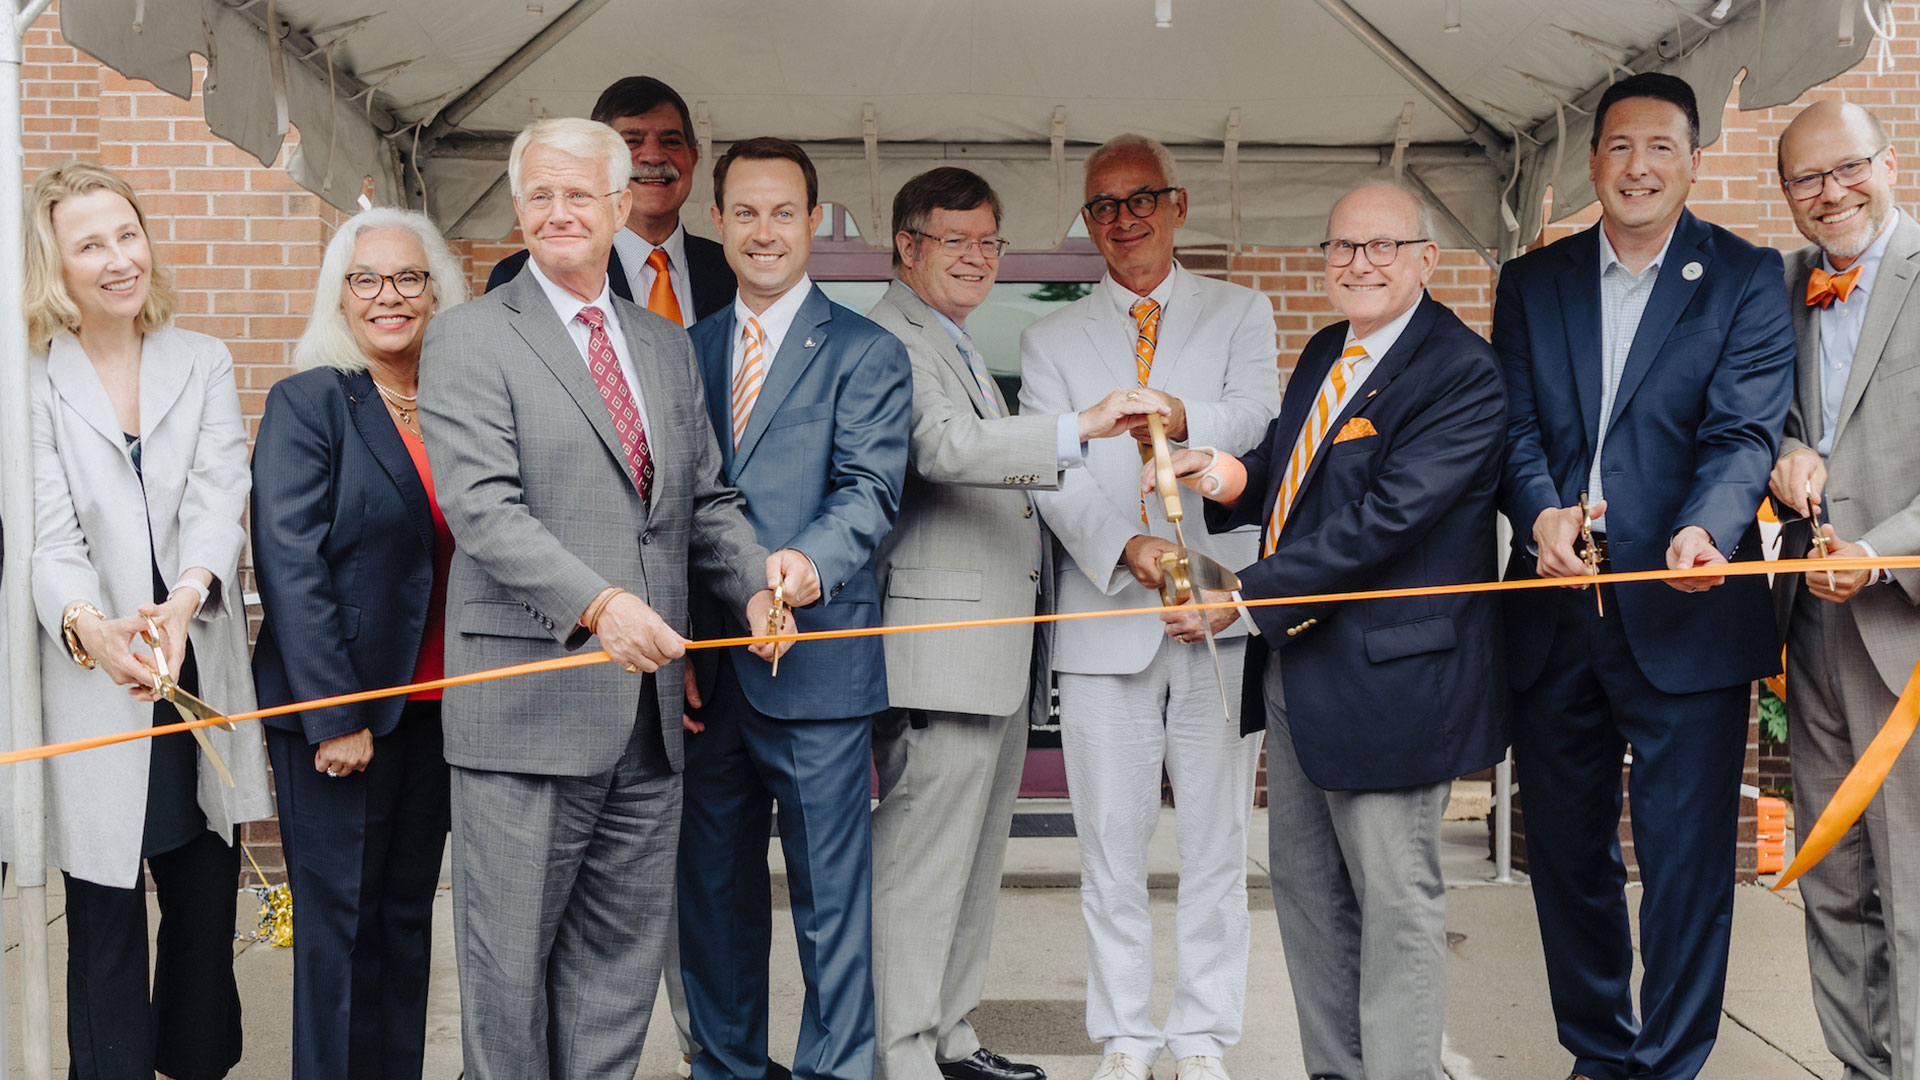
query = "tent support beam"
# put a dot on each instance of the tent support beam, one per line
(481, 92)
(1453, 107)
(1413, 180)
(29, 870)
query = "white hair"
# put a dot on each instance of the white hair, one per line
(1123, 145)
(587, 140)
(327, 341)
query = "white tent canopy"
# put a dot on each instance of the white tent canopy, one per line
(1274, 107)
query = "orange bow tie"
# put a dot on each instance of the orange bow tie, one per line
(1824, 288)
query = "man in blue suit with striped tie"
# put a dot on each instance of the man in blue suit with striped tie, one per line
(811, 403)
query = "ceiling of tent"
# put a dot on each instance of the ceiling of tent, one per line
(1274, 107)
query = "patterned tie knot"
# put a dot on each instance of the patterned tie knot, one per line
(592, 316)
(751, 328)
(1143, 310)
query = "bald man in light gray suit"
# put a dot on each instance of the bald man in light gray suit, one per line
(967, 545)
(1851, 452)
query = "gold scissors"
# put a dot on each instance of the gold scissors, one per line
(1184, 572)
(189, 706)
(1820, 541)
(1589, 554)
(776, 619)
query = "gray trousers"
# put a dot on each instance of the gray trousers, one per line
(1863, 899)
(939, 842)
(1363, 920)
(562, 905)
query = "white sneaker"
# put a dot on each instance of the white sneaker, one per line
(1199, 1068)
(1123, 1067)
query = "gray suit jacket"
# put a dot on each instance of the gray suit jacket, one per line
(1873, 471)
(967, 544)
(544, 514)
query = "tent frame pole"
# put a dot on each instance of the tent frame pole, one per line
(29, 866)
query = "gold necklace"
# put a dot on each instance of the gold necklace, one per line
(403, 405)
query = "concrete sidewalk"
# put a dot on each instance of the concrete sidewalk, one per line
(1499, 1026)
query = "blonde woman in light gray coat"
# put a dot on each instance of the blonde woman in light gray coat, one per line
(140, 481)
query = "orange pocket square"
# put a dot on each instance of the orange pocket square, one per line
(1357, 428)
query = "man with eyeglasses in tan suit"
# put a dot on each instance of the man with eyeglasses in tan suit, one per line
(1138, 696)
(1849, 467)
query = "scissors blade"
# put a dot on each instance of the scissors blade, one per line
(1219, 674)
(200, 736)
(193, 708)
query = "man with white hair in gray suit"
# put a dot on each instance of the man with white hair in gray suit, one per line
(574, 462)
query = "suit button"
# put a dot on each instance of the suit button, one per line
(1026, 511)
(646, 537)
(1033, 575)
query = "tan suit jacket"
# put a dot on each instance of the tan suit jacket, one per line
(1873, 468)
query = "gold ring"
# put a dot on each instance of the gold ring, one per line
(632, 669)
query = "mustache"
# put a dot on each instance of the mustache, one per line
(664, 172)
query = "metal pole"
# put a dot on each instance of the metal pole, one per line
(1503, 820)
(29, 866)
(1455, 109)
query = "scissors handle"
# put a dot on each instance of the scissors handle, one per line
(1164, 479)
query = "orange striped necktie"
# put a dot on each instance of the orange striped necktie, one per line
(1333, 394)
(1146, 320)
(660, 297)
(747, 380)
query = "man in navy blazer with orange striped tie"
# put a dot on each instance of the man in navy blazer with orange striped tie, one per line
(1379, 473)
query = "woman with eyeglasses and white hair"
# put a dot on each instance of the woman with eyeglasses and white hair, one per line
(140, 482)
(351, 554)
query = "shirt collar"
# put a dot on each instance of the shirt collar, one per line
(779, 316)
(1380, 341)
(1124, 298)
(1608, 258)
(639, 249)
(565, 304)
(1870, 259)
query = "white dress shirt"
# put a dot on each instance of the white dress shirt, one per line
(566, 305)
(635, 250)
(774, 324)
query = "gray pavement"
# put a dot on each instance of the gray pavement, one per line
(1499, 1026)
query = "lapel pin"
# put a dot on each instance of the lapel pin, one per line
(808, 344)
(1691, 271)
(1370, 393)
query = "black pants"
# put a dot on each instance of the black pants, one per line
(189, 1027)
(363, 857)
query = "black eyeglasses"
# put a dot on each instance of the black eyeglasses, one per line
(408, 283)
(1848, 173)
(958, 246)
(1379, 252)
(1105, 210)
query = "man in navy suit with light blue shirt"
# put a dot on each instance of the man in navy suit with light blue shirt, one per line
(812, 404)
(1649, 367)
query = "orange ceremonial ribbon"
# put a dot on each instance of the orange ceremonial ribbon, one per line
(1855, 792)
(1824, 288)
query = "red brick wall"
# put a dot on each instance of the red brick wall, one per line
(245, 241)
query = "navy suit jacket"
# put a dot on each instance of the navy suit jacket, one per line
(1692, 436)
(708, 274)
(821, 463)
(342, 550)
(1384, 693)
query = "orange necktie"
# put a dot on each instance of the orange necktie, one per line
(1146, 321)
(1333, 393)
(746, 381)
(660, 298)
(1824, 288)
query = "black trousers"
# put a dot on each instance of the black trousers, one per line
(363, 857)
(189, 1027)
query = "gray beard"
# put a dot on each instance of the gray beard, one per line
(1854, 248)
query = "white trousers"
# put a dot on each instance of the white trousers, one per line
(1118, 732)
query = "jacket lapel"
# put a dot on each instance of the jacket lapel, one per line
(1303, 389)
(1891, 287)
(539, 326)
(1177, 322)
(1579, 284)
(1111, 336)
(921, 315)
(1806, 336)
(165, 369)
(713, 351)
(1385, 371)
(643, 348)
(1672, 292)
(74, 379)
(383, 441)
(804, 340)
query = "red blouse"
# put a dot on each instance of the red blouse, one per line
(432, 663)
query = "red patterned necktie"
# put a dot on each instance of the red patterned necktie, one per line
(605, 366)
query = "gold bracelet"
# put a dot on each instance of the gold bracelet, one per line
(72, 636)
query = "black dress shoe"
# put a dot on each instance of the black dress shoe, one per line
(987, 1065)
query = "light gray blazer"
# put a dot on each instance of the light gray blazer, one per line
(967, 542)
(536, 491)
(91, 543)
(1873, 471)
(1216, 352)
